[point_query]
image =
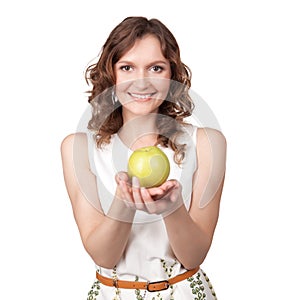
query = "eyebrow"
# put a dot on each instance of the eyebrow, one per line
(150, 64)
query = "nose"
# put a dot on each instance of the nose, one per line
(141, 81)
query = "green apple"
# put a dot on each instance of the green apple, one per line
(150, 165)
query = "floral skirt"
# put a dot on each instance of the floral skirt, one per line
(197, 287)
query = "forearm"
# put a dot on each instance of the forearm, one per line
(107, 242)
(189, 243)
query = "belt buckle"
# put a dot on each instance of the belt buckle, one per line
(157, 283)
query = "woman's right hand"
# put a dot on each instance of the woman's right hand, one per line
(159, 200)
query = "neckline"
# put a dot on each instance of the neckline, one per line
(120, 141)
(130, 149)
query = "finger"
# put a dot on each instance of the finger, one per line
(121, 176)
(173, 185)
(169, 184)
(160, 189)
(136, 193)
(175, 193)
(146, 195)
(155, 190)
(159, 192)
(149, 201)
(163, 188)
(126, 191)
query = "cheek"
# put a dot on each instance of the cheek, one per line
(119, 79)
(120, 76)
(122, 87)
(121, 90)
(162, 85)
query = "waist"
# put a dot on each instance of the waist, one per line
(152, 286)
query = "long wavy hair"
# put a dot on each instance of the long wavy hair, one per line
(107, 114)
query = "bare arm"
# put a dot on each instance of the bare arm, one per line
(104, 237)
(191, 233)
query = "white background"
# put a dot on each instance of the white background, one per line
(246, 65)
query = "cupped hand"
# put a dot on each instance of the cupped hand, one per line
(164, 199)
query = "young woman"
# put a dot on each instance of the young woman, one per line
(147, 243)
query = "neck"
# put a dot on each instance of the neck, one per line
(140, 131)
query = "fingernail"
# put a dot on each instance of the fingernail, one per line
(122, 176)
(135, 182)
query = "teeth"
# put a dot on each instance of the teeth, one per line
(141, 96)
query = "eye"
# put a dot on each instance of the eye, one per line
(157, 69)
(126, 68)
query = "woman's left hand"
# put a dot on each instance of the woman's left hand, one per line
(164, 199)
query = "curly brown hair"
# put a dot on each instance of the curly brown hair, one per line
(107, 114)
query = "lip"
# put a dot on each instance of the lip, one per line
(141, 97)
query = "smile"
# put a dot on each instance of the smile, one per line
(141, 96)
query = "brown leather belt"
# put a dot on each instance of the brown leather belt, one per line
(143, 285)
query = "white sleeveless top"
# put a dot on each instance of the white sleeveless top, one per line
(148, 255)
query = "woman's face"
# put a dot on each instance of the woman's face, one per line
(142, 78)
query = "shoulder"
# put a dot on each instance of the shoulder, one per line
(75, 147)
(210, 136)
(211, 147)
(69, 141)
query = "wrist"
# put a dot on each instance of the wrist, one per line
(174, 212)
(120, 211)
